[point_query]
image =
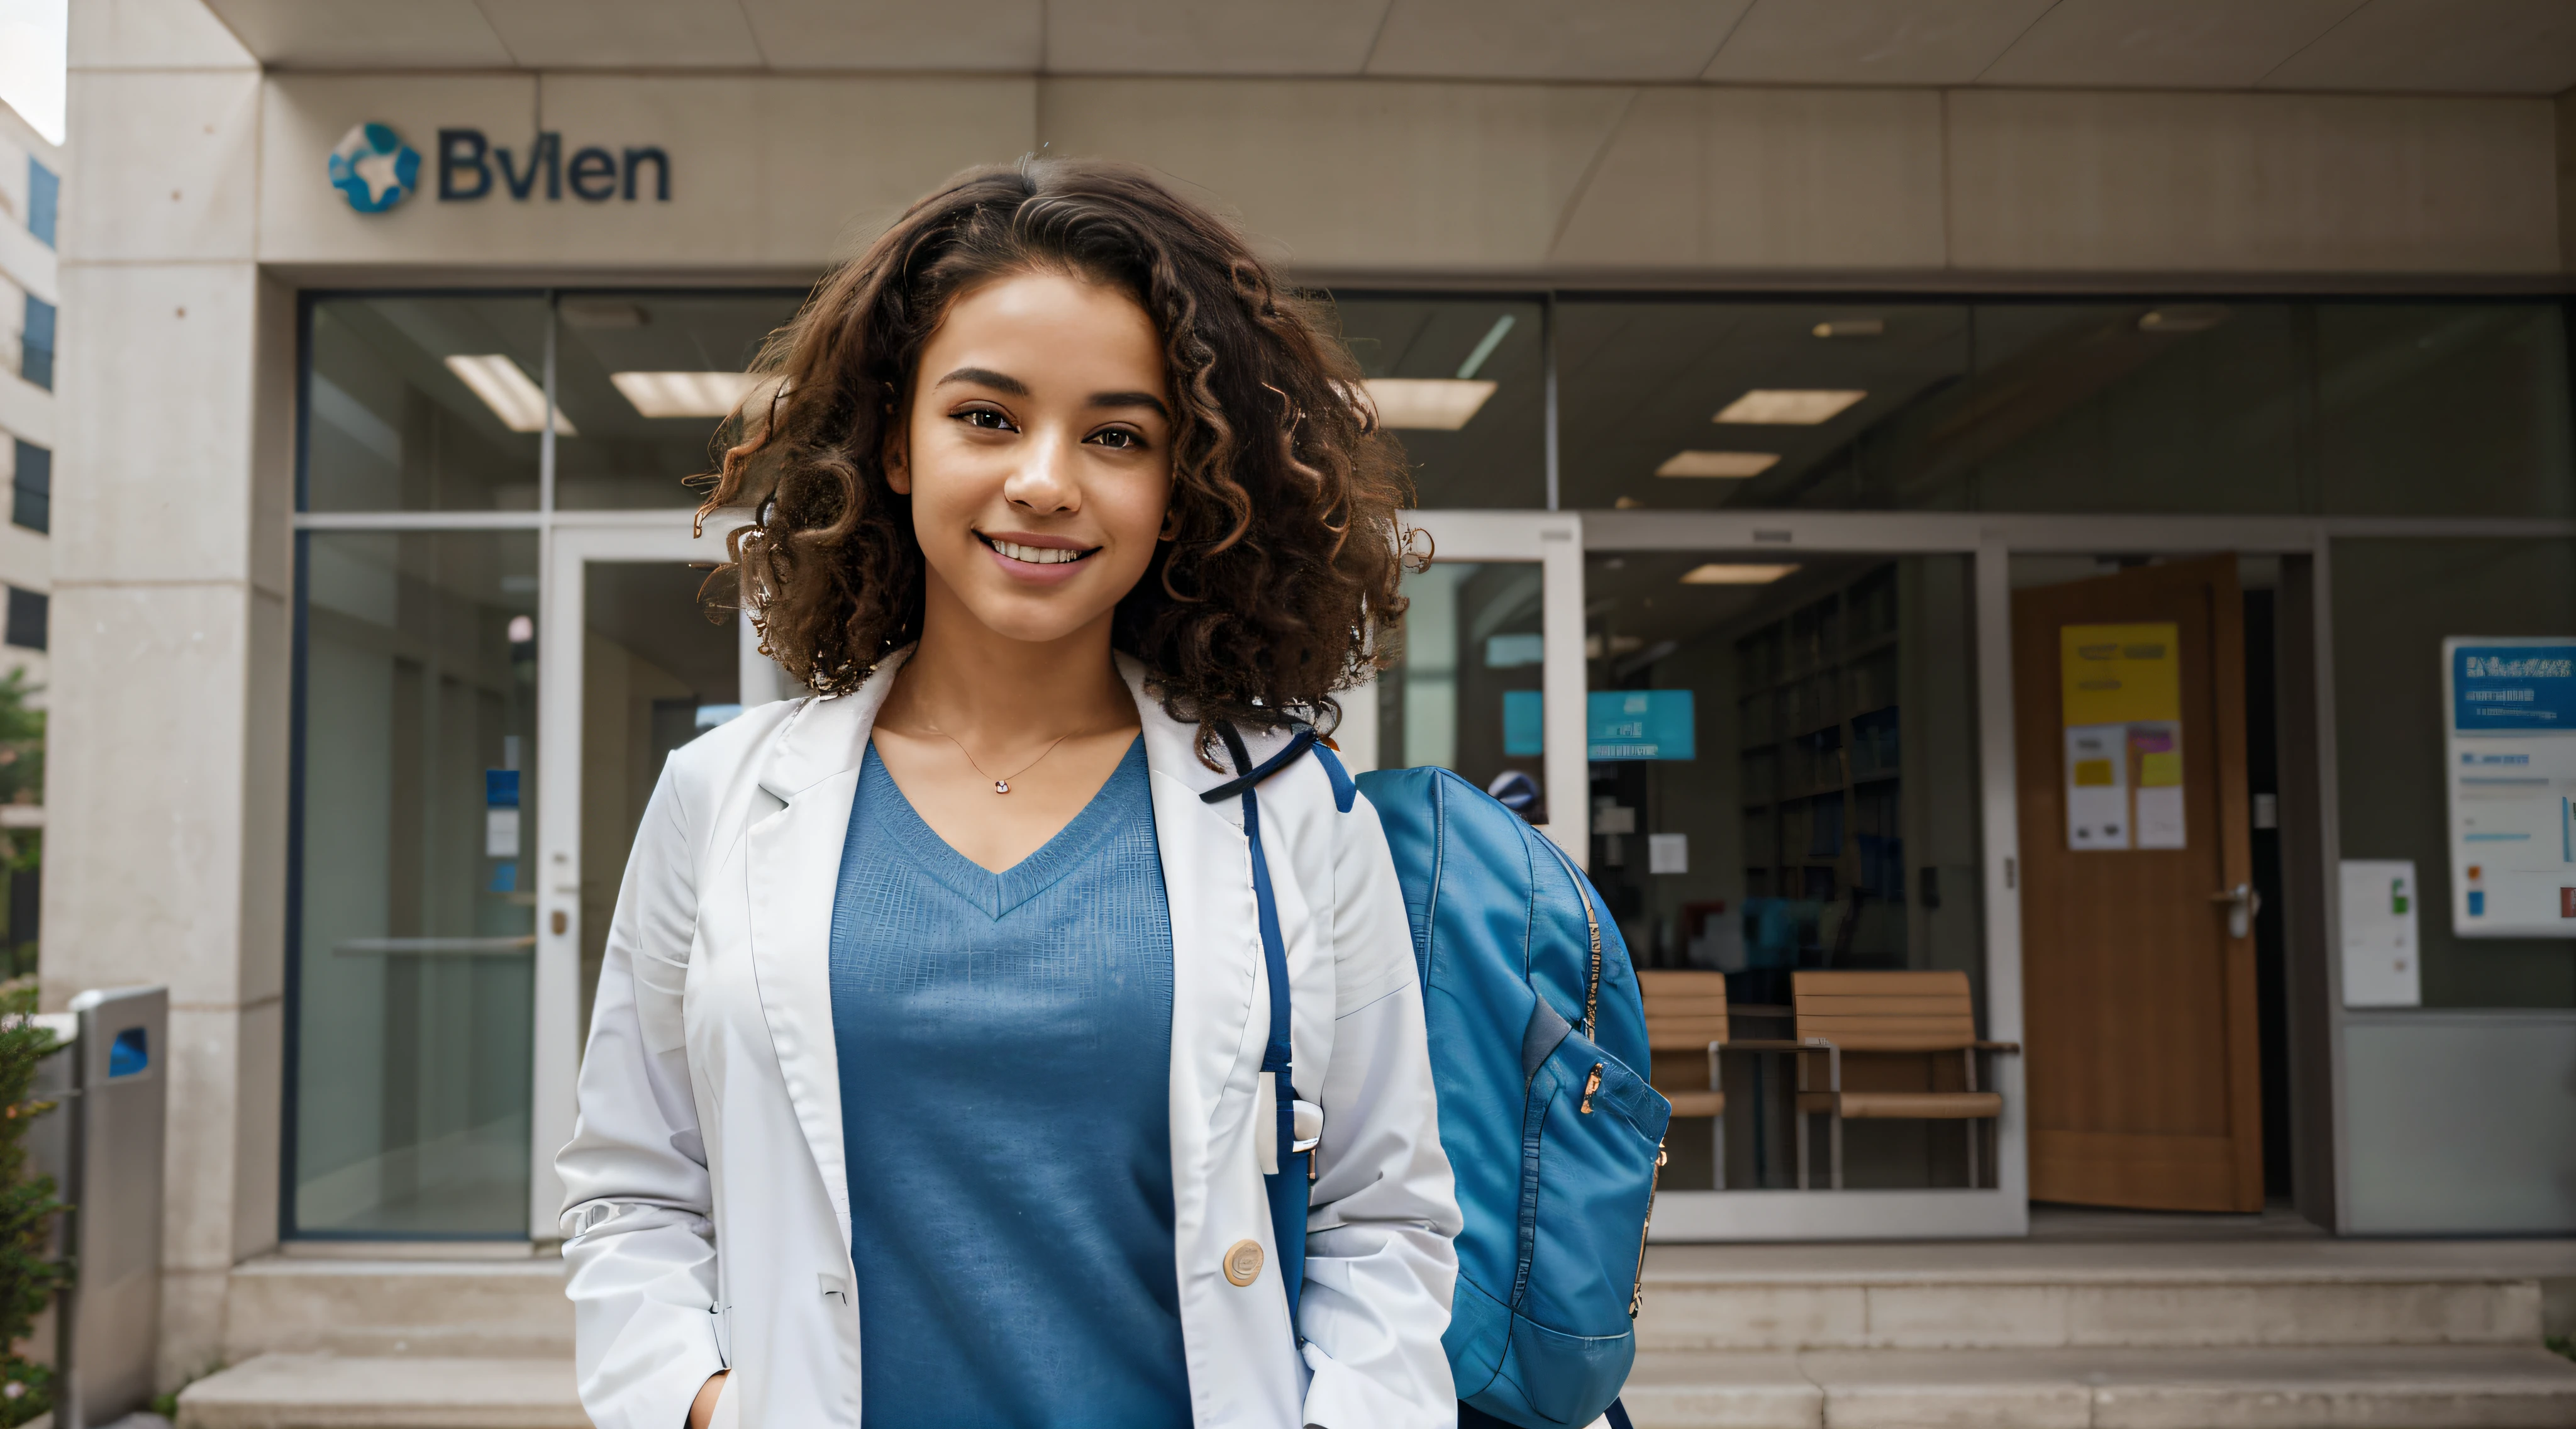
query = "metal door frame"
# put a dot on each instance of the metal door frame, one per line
(572, 543)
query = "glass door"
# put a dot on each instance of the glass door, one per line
(1490, 681)
(642, 668)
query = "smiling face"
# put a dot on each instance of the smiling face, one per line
(1037, 454)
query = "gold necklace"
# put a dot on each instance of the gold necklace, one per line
(1001, 785)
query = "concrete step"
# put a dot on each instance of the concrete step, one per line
(2027, 1295)
(282, 1391)
(382, 1306)
(2403, 1387)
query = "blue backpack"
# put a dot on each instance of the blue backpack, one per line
(1537, 1036)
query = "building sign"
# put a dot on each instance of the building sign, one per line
(377, 170)
(2120, 699)
(2510, 756)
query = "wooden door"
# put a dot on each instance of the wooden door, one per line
(2138, 1001)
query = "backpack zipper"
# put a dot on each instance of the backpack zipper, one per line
(1592, 986)
(1637, 1291)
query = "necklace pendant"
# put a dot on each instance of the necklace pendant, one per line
(1001, 786)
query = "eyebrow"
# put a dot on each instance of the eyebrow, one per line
(1004, 382)
(1146, 400)
(986, 377)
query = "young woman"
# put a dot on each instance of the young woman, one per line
(923, 1085)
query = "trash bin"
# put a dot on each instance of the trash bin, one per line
(104, 1152)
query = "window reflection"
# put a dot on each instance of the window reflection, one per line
(390, 420)
(1468, 398)
(416, 924)
(648, 378)
(1467, 693)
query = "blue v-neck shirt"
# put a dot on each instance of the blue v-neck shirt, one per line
(1005, 1050)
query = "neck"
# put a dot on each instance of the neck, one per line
(973, 683)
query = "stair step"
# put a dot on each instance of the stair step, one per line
(2406, 1387)
(282, 1391)
(2021, 1295)
(299, 1305)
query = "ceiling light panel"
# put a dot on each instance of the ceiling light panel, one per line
(1732, 465)
(1720, 573)
(1427, 404)
(508, 390)
(1789, 406)
(684, 394)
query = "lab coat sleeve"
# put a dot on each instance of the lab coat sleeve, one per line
(639, 1246)
(1380, 1263)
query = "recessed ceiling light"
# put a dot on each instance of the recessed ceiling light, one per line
(2183, 317)
(684, 394)
(1720, 573)
(1737, 465)
(1427, 404)
(1789, 406)
(1628, 503)
(1852, 327)
(511, 393)
(602, 313)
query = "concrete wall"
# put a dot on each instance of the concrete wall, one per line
(1386, 177)
(167, 777)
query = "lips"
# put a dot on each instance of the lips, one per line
(1036, 555)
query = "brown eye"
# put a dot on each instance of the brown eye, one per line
(987, 419)
(1118, 439)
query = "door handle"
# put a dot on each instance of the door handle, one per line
(2242, 904)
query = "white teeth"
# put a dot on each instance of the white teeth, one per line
(1034, 555)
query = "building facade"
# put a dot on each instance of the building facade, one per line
(1794, 414)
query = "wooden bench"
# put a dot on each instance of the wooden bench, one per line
(1903, 1024)
(1686, 1017)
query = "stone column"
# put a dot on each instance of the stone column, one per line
(167, 768)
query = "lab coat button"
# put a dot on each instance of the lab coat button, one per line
(1243, 1262)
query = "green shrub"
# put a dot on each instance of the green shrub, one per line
(29, 1272)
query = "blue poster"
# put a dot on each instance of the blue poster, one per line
(2506, 688)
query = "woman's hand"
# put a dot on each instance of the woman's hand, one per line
(702, 1410)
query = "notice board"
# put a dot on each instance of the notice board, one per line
(2509, 756)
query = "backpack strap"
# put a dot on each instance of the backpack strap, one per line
(1290, 1186)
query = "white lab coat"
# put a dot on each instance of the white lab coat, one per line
(707, 1203)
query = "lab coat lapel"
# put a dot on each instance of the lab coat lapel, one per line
(793, 868)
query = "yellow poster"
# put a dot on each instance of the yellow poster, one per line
(2120, 696)
(2114, 674)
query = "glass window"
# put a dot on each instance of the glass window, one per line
(2444, 409)
(1784, 776)
(1461, 382)
(44, 198)
(1689, 405)
(645, 379)
(2394, 603)
(36, 343)
(424, 403)
(31, 488)
(415, 899)
(27, 618)
(1466, 695)
(2109, 407)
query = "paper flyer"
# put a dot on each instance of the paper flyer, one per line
(2120, 694)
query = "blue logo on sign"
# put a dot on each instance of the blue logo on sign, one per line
(374, 168)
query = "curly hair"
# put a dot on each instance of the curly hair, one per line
(1279, 584)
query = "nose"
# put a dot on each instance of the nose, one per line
(1043, 484)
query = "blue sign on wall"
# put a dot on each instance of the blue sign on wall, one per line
(1639, 724)
(1624, 724)
(2497, 689)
